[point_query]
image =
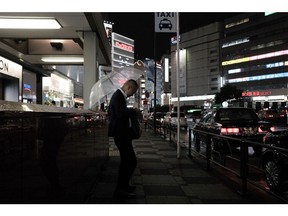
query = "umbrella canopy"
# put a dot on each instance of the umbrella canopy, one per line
(110, 82)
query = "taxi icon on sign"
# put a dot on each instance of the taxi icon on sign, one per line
(165, 24)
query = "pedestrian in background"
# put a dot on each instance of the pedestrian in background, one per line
(119, 129)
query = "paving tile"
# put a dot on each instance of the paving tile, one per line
(151, 165)
(186, 172)
(158, 180)
(179, 161)
(143, 145)
(168, 153)
(163, 190)
(164, 147)
(143, 149)
(200, 180)
(167, 200)
(158, 159)
(210, 191)
(149, 156)
(154, 172)
(179, 180)
(195, 201)
(144, 153)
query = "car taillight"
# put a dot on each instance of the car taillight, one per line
(230, 131)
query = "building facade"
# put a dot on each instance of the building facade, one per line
(255, 57)
(248, 51)
(199, 65)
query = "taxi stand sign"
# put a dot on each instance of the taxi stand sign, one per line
(165, 22)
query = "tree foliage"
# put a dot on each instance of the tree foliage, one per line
(227, 92)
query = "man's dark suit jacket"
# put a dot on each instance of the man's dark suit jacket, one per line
(118, 116)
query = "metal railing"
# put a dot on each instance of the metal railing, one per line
(246, 165)
(249, 163)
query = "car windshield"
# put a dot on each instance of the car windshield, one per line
(237, 115)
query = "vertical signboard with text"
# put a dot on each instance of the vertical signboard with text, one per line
(122, 51)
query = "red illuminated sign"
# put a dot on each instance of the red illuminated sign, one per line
(256, 93)
(124, 46)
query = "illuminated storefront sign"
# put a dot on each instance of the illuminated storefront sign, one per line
(260, 77)
(124, 46)
(263, 66)
(194, 98)
(256, 93)
(257, 57)
(236, 42)
(240, 22)
(122, 52)
(26, 87)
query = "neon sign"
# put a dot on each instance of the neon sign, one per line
(124, 46)
(256, 93)
(256, 57)
(257, 78)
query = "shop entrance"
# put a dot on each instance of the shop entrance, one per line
(9, 88)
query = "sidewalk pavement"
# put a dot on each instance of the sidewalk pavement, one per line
(161, 178)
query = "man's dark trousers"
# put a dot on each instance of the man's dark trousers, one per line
(128, 161)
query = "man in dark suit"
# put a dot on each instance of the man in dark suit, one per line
(119, 126)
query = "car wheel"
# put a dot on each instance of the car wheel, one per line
(273, 174)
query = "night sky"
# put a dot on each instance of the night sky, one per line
(140, 28)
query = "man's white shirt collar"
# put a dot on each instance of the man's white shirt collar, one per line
(124, 94)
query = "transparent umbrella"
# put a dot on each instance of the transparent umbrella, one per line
(106, 86)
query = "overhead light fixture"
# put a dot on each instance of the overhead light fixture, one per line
(29, 23)
(63, 59)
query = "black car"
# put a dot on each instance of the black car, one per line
(275, 161)
(233, 122)
(274, 116)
